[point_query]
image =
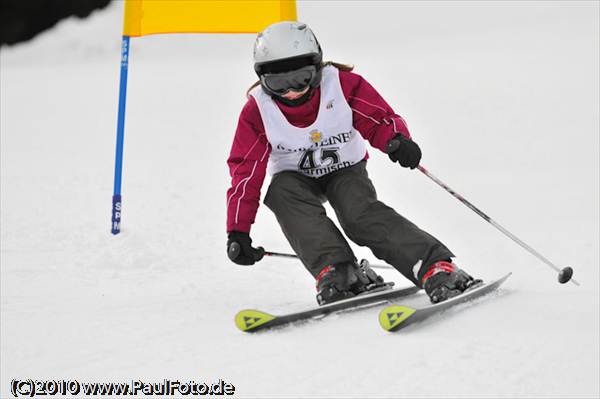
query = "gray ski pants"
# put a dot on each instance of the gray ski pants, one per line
(297, 202)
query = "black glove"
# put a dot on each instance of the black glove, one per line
(240, 249)
(405, 151)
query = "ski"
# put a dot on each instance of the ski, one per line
(396, 317)
(251, 320)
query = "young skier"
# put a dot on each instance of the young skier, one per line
(310, 121)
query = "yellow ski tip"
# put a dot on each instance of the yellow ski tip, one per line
(392, 316)
(249, 319)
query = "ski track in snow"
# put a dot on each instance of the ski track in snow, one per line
(502, 98)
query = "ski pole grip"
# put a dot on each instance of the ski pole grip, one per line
(234, 250)
(258, 255)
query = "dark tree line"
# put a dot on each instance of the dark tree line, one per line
(21, 20)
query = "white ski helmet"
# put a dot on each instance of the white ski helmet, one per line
(287, 46)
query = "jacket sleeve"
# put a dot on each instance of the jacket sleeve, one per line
(371, 115)
(247, 167)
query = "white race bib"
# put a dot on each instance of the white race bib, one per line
(329, 144)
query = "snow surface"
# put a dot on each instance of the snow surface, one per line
(503, 99)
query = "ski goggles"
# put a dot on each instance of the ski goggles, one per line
(296, 80)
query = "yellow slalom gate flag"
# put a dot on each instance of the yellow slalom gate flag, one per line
(147, 17)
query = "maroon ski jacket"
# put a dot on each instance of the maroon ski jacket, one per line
(371, 116)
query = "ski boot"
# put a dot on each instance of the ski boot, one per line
(444, 280)
(346, 280)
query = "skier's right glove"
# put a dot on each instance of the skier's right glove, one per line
(240, 249)
(404, 151)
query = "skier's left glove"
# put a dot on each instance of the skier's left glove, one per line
(405, 151)
(240, 249)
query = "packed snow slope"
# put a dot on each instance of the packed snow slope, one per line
(501, 97)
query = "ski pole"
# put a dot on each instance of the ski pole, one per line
(292, 256)
(564, 275)
(235, 249)
(281, 255)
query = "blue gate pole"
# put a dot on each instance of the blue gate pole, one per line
(116, 199)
